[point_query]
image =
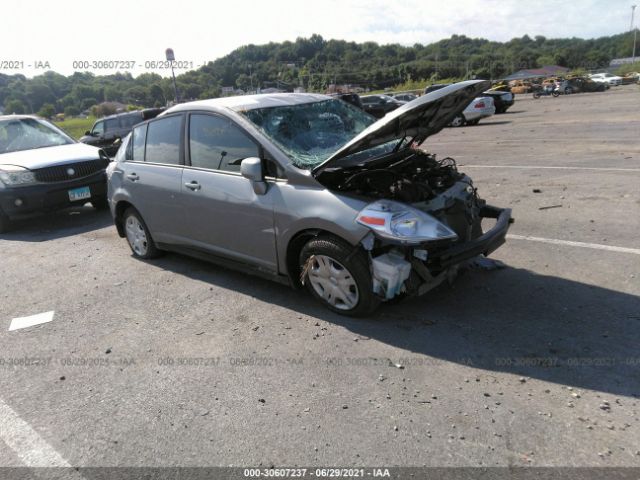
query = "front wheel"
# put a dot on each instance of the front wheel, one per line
(555, 93)
(338, 277)
(536, 95)
(138, 236)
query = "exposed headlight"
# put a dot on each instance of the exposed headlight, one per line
(13, 176)
(402, 223)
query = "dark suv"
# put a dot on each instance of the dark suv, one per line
(107, 132)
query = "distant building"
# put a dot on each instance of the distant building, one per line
(616, 62)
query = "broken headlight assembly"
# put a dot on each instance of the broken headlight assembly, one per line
(400, 223)
(14, 176)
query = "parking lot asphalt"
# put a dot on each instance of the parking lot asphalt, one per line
(178, 362)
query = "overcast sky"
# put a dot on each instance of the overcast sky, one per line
(139, 30)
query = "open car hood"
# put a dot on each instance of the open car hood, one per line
(418, 119)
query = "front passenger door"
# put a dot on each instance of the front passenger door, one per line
(224, 215)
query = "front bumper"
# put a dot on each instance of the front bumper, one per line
(485, 244)
(45, 197)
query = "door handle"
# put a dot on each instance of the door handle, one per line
(133, 177)
(192, 185)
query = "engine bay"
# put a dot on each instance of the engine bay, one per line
(410, 176)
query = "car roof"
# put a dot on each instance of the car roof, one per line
(250, 102)
(121, 114)
(19, 117)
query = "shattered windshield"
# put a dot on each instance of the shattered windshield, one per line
(310, 133)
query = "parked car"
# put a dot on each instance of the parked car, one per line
(107, 132)
(405, 97)
(43, 169)
(307, 190)
(379, 105)
(580, 85)
(631, 77)
(520, 86)
(479, 108)
(502, 100)
(608, 78)
(352, 98)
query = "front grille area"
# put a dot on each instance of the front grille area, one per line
(60, 173)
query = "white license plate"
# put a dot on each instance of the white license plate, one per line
(81, 193)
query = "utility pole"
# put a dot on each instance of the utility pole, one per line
(170, 56)
(635, 32)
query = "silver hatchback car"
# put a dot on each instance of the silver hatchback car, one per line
(307, 190)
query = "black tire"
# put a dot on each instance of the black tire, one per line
(473, 122)
(100, 203)
(142, 246)
(536, 95)
(5, 223)
(555, 93)
(458, 121)
(357, 269)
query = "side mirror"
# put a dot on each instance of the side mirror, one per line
(251, 169)
(88, 132)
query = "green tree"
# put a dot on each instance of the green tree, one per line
(71, 111)
(14, 106)
(47, 111)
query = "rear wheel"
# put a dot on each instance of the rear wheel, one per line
(555, 93)
(458, 121)
(138, 236)
(5, 223)
(536, 95)
(338, 277)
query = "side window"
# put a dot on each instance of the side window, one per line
(129, 121)
(216, 143)
(111, 125)
(98, 129)
(135, 149)
(163, 140)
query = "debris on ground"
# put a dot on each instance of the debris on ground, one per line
(483, 263)
(550, 206)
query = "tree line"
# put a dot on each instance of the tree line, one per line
(311, 63)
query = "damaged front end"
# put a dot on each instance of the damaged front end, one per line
(425, 219)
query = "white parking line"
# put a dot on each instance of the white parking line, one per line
(548, 167)
(569, 243)
(30, 321)
(30, 447)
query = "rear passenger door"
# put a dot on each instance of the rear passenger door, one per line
(224, 214)
(153, 176)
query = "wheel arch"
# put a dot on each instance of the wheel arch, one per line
(295, 246)
(120, 208)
